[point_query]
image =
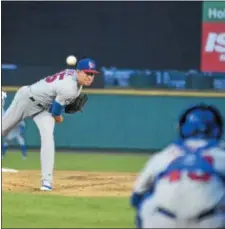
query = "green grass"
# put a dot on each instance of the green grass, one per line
(30, 211)
(20, 210)
(79, 161)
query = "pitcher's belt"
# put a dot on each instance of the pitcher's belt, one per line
(37, 104)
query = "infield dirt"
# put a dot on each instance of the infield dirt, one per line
(72, 183)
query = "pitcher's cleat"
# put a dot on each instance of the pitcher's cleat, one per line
(46, 186)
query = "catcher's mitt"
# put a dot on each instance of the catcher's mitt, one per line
(77, 104)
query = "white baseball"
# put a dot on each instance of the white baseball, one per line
(71, 60)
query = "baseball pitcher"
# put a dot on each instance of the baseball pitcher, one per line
(183, 186)
(44, 102)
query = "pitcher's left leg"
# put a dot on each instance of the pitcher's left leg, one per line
(46, 123)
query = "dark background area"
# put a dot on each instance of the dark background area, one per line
(155, 35)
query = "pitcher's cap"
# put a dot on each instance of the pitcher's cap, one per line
(87, 65)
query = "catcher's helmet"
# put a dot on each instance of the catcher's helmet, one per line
(201, 121)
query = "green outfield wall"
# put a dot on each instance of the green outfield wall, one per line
(122, 120)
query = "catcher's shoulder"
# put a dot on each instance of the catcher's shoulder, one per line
(170, 151)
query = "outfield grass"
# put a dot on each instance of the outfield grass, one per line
(80, 161)
(21, 210)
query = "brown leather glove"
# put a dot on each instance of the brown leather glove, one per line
(77, 104)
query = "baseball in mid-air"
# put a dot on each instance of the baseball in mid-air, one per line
(71, 60)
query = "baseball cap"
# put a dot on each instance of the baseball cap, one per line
(87, 65)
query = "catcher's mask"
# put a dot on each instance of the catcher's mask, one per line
(201, 121)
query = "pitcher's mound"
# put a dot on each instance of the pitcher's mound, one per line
(72, 183)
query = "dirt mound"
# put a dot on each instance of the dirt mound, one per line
(72, 183)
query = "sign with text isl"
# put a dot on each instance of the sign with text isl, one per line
(213, 37)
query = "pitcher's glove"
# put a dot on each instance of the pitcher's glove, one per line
(77, 104)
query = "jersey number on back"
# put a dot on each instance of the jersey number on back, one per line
(176, 175)
(57, 76)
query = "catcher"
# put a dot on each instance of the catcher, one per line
(183, 186)
(44, 102)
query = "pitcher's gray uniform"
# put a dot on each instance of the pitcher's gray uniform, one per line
(34, 101)
(15, 133)
(44, 101)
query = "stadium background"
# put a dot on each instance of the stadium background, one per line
(38, 37)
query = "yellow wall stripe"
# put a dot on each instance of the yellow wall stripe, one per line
(136, 92)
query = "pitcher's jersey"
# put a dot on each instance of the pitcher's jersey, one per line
(61, 86)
